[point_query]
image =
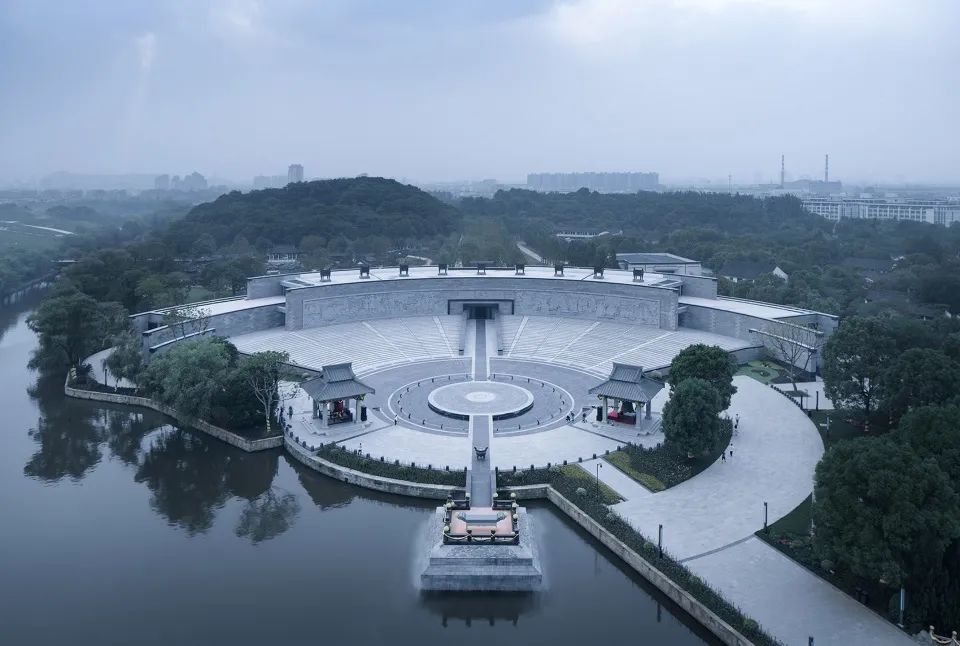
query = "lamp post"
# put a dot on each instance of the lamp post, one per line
(766, 528)
(599, 466)
(660, 540)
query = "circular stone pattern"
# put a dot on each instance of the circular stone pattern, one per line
(468, 398)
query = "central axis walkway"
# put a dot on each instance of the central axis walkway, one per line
(482, 481)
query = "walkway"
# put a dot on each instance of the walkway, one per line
(529, 253)
(100, 373)
(482, 479)
(709, 523)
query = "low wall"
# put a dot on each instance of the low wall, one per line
(221, 434)
(377, 483)
(703, 286)
(721, 629)
(228, 324)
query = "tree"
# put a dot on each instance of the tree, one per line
(126, 360)
(882, 512)
(855, 359)
(920, 377)
(189, 376)
(691, 421)
(71, 326)
(934, 432)
(263, 372)
(708, 362)
(795, 345)
(187, 319)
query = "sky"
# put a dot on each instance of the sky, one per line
(447, 90)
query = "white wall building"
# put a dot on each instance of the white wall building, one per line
(932, 211)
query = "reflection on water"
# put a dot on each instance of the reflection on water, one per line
(488, 608)
(136, 531)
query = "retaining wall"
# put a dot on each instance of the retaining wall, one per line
(377, 483)
(221, 434)
(228, 324)
(723, 631)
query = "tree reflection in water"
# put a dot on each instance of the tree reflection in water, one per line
(190, 476)
(69, 435)
(268, 515)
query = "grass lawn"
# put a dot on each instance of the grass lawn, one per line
(840, 428)
(609, 496)
(660, 467)
(621, 460)
(763, 371)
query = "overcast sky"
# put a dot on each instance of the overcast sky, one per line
(475, 89)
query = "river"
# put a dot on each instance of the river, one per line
(116, 528)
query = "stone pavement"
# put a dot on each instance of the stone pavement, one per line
(790, 601)
(709, 522)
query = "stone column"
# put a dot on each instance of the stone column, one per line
(647, 407)
(605, 408)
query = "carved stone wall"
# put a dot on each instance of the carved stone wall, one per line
(330, 304)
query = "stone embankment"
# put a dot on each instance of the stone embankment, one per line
(233, 439)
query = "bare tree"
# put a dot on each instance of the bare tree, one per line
(795, 345)
(187, 319)
(264, 372)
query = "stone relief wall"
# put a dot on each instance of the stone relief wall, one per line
(327, 305)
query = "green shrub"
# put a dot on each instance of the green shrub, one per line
(345, 458)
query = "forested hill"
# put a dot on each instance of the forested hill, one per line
(351, 209)
(655, 214)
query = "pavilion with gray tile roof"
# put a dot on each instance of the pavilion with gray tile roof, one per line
(627, 384)
(332, 390)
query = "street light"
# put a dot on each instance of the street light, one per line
(766, 529)
(599, 466)
(660, 540)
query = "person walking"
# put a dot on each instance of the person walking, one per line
(723, 456)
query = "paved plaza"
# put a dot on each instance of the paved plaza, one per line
(709, 521)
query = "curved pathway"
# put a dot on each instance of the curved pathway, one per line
(709, 523)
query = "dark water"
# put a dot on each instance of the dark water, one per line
(116, 529)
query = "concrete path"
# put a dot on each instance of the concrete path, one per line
(709, 523)
(481, 475)
(529, 253)
(482, 483)
(616, 479)
(774, 456)
(790, 601)
(101, 374)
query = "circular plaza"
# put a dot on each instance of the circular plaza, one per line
(461, 400)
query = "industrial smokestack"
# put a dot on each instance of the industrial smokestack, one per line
(826, 168)
(781, 171)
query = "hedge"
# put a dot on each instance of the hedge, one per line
(353, 460)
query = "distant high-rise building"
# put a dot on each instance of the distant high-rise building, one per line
(194, 182)
(162, 183)
(602, 182)
(294, 173)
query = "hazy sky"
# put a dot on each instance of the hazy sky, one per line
(450, 90)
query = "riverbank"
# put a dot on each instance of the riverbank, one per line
(233, 439)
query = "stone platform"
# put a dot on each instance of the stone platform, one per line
(484, 568)
(461, 400)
